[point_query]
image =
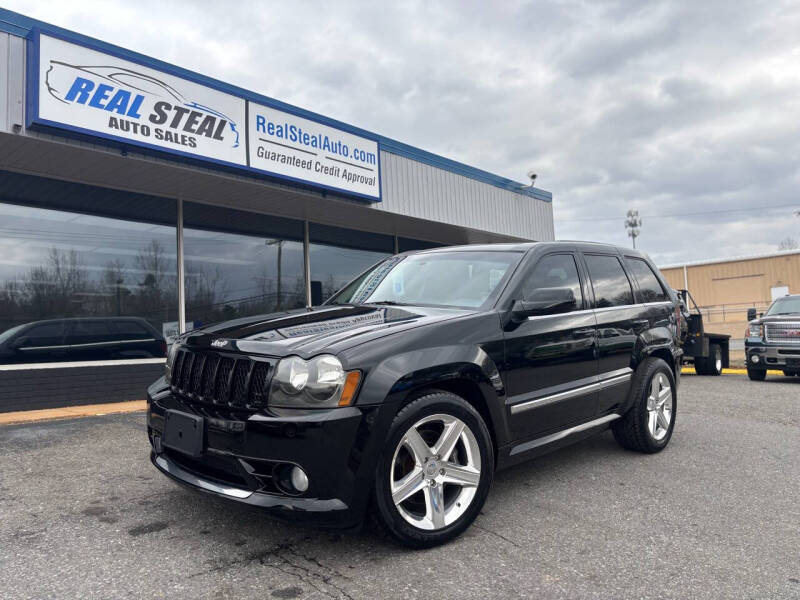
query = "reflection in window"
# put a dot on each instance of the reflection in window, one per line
(333, 266)
(229, 275)
(67, 266)
(611, 285)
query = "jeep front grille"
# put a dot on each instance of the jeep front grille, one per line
(785, 333)
(222, 379)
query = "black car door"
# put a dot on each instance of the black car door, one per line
(550, 359)
(91, 339)
(619, 321)
(42, 342)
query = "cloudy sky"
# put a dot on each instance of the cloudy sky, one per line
(688, 112)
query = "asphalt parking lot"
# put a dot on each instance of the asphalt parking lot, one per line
(84, 515)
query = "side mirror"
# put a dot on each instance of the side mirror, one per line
(544, 301)
(20, 342)
(751, 314)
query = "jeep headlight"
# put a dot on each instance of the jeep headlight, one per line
(173, 352)
(317, 383)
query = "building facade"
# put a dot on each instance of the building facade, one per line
(139, 199)
(725, 288)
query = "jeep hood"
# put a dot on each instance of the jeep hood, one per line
(322, 329)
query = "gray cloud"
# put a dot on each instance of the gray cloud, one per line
(668, 107)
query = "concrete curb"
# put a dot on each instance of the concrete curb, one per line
(691, 371)
(71, 412)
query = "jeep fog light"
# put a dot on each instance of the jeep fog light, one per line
(299, 479)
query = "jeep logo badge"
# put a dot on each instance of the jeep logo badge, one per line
(219, 343)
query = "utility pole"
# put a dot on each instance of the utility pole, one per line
(633, 224)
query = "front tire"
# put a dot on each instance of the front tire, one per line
(756, 374)
(435, 471)
(648, 425)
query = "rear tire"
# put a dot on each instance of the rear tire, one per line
(714, 360)
(647, 427)
(756, 374)
(428, 490)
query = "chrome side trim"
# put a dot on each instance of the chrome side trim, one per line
(606, 380)
(545, 400)
(87, 345)
(172, 469)
(601, 309)
(559, 435)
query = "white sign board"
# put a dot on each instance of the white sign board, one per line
(99, 94)
(291, 146)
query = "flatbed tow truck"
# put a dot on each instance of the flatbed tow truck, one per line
(708, 352)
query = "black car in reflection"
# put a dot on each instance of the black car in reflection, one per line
(77, 339)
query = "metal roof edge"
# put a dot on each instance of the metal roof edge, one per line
(714, 261)
(20, 25)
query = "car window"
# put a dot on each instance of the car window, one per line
(611, 285)
(131, 330)
(650, 289)
(555, 271)
(457, 278)
(89, 332)
(46, 334)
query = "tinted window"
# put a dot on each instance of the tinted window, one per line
(88, 332)
(611, 285)
(555, 271)
(650, 289)
(48, 334)
(131, 330)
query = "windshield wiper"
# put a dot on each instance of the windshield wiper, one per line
(389, 303)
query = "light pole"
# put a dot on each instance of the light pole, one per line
(279, 244)
(633, 224)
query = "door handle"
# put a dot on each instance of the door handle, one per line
(583, 332)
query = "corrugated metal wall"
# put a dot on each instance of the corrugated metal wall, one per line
(420, 190)
(409, 188)
(738, 281)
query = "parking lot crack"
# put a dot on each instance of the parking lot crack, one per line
(497, 535)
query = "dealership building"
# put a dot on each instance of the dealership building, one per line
(139, 199)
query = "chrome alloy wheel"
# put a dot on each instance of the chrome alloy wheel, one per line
(435, 472)
(659, 406)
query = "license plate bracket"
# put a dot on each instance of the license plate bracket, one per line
(184, 432)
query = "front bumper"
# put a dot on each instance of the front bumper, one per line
(772, 356)
(243, 456)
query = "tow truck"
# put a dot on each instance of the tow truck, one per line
(708, 352)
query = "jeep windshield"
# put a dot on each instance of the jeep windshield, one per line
(459, 278)
(789, 305)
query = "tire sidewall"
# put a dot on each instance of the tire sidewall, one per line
(435, 403)
(656, 367)
(715, 354)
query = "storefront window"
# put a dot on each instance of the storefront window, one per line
(82, 287)
(236, 265)
(338, 255)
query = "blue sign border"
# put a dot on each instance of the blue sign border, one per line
(33, 120)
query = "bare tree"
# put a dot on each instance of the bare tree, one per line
(788, 243)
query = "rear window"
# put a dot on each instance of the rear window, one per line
(650, 289)
(611, 285)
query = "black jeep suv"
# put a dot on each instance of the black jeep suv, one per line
(404, 392)
(772, 341)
